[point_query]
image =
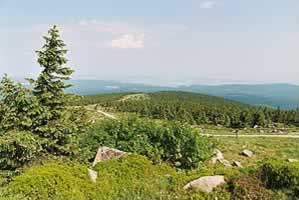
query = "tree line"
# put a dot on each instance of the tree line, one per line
(202, 109)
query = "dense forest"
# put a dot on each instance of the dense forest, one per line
(198, 109)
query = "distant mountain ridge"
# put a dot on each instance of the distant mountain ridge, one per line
(274, 95)
(285, 96)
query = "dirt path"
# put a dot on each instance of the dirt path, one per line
(253, 136)
(107, 115)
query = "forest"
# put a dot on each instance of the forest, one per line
(198, 109)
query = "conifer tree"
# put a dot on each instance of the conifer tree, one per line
(60, 123)
(297, 116)
(19, 109)
(49, 86)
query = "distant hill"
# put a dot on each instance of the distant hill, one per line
(273, 95)
(193, 108)
(89, 87)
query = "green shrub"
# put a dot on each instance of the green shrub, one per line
(52, 181)
(175, 143)
(131, 177)
(19, 110)
(250, 188)
(281, 175)
(135, 177)
(17, 148)
(220, 193)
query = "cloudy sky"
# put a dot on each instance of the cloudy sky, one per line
(158, 41)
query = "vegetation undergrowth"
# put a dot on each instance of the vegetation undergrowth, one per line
(130, 177)
(172, 142)
(197, 109)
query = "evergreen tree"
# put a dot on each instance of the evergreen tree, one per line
(60, 123)
(49, 86)
(259, 119)
(297, 116)
(19, 110)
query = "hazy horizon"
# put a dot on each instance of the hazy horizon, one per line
(162, 43)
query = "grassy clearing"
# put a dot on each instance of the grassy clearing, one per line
(220, 130)
(263, 148)
(135, 97)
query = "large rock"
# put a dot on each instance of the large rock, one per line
(247, 153)
(206, 183)
(106, 153)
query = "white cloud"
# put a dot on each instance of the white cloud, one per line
(208, 4)
(105, 27)
(128, 41)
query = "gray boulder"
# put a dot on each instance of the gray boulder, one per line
(247, 153)
(237, 164)
(206, 183)
(106, 153)
(218, 156)
(226, 163)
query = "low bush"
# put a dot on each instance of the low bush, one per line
(173, 142)
(135, 177)
(250, 188)
(52, 181)
(131, 177)
(281, 175)
(17, 148)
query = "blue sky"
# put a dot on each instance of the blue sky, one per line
(160, 42)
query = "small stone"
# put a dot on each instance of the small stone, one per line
(247, 153)
(219, 154)
(93, 175)
(292, 160)
(214, 160)
(206, 183)
(226, 163)
(237, 164)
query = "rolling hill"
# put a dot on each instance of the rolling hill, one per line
(193, 108)
(285, 96)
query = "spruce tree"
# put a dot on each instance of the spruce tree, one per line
(49, 86)
(60, 123)
(297, 116)
(19, 110)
